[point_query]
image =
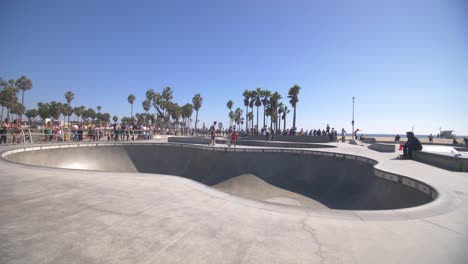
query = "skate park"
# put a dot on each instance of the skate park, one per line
(165, 201)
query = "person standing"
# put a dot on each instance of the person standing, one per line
(3, 132)
(213, 134)
(430, 138)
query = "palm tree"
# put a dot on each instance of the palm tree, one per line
(8, 97)
(197, 101)
(229, 105)
(250, 117)
(44, 110)
(69, 96)
(31, 114)
(266, 94)
(67, 110)
(238, 119)
(280, 112)
(99, 108)
(187, 111)
(246, 95)
(24, 84)
(258, 101)
(274, 103)
(285, 112)
(149, 94)
(292, 94)
(131, 98)
(146, 106)
(253, 95)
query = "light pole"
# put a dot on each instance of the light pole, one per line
(352, 122)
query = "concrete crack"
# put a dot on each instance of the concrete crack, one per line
(320, 252)
(446, 228)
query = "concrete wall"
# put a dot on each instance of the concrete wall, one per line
(380, 147)
(308, 139)
(243, 142)
(336, 180)
(442, 161)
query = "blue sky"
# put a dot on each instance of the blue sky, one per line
(406, 62)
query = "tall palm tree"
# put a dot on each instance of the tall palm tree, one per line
(24, 84)
(253, 95)
(197, 101)
(69, 96)
(280, 113)
(8, 97)
(149, 94)
(266, 94)
(250, 117)
(274, 102)
(99, 108)
(187, 111)
(246, 95)
(238, 117)
(258, 101)
(146, 106)
(131, 98)
(229, 105)
(285, 113)
(293, 96)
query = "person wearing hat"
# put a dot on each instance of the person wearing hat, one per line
(411, 145)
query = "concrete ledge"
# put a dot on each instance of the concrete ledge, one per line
(368, 140)
(308, 139)
(191, 140)
(244, 142)
(382, 147)
(442, 161)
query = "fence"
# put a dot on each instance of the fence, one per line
(32, 136)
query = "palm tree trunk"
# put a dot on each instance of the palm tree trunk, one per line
(131, 113)
(257, 118)
(1, 120)
(196, 120)
(264, 115)
(294, 117)
(22, 103)
(247, 118)
(284, 124)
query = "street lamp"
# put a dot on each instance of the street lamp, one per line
(352, 122)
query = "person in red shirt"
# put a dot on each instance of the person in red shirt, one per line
(233, 138)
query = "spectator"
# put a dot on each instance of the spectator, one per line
(213, 134)
(397, 138)
(412, 144)
(3, 132)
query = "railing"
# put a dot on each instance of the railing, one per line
(32, 136)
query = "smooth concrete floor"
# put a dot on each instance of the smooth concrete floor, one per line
(71, 216)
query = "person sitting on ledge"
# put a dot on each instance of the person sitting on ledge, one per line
(412, 144)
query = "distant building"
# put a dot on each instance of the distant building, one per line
(447, 134)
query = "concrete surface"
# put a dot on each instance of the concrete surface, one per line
(56, 215)
(380, 147)
(338, 182)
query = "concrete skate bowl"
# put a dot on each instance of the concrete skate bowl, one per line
(310, 179)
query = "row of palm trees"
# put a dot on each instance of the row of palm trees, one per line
(165, 110)
(9, 95)
(53, 109)
(272, 107)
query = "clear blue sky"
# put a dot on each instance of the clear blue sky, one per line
(406, 62)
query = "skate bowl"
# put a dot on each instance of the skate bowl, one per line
(294, 177)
